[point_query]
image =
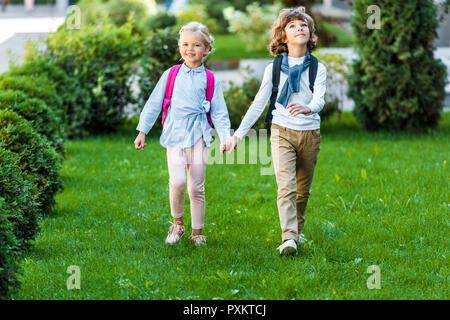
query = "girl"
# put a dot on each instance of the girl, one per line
(186, 127)
(295, 131)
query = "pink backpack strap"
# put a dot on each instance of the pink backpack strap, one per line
(209, 92)
(169, 90)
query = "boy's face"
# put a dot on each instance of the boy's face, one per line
(297, 32)
(192, 48)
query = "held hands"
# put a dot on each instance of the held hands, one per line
(229, 144)
(139, 143)
(296, 109)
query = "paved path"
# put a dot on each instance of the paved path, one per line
(18, 26)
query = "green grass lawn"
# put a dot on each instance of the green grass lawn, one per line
(343, 38)
(230, 46)
(378, 199)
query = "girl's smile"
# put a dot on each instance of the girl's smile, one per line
(192, 49)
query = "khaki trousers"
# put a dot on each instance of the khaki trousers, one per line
(294, 156)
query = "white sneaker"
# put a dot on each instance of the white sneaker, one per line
(302, 239)
(289, 247)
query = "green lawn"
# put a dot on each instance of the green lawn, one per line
(230, 46)
(378, 199)
(343, 38)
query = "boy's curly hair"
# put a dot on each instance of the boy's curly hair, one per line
(278, 46)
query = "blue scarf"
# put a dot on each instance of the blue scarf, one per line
(294, 73)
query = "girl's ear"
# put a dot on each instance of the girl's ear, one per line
(208, 50)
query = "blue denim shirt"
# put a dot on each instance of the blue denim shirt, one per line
(186, 120)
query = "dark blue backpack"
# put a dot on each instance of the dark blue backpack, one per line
(276, 81)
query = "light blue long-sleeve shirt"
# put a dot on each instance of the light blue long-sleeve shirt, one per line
(186, 120)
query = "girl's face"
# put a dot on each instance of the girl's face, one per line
(297, 32)
(192, 48)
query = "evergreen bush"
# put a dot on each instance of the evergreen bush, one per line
(396, 83)
(36, 157)
(42, 118)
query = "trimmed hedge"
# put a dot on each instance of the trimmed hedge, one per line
(43, 118)
(75, 99)
(19, 195)
(8, 253)
(100, 58)
(35, 156)
(37, 87)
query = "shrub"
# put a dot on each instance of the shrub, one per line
(331, 106)
(8, 254)
(35, 156)
(239, 99)
(196, 12)
(41, 117)
(215, 9)
(18, 198)
(100, 58)
(337, 71)
(37, 87)
(160, 53)
(75, 99)
(397, 84)
(161, 20)
(254, 26)
(94, 12)
(119, 10)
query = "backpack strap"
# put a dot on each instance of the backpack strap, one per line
(169, 90)
(209, 92)
(276, 81)
(313, 72)
(276, 69)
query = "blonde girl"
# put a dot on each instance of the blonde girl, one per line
(188, 116)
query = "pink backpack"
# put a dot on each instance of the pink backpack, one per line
(169, 91)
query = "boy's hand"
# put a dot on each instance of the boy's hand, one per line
(231, 143)
(296, 109)
(139, 143)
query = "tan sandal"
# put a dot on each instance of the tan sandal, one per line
(176, 231)
(198, 240)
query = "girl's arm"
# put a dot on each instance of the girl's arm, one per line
(153, 107)
(219, 112)
(320, 86)
(258, 105)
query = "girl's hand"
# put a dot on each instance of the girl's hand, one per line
(296, 109)
(231, 143)
(223, 146)
(139, 143)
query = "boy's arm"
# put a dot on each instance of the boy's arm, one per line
(258, 105)
(320, 86)
(153, 106)
(219, 112)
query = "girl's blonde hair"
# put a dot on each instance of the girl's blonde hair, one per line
(201, 29)
(278, 44)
